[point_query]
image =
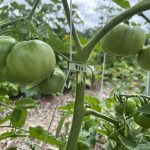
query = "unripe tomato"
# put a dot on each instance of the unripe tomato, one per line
(53, 84)
(6, 44)
(142, 120)
(143, 58)
(130, 107)
(29, 62)
(123, 40)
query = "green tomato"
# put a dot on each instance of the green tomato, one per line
(130, 107)
(6, 44)
(142, 120)
(123, 40)
(53, 84)
(143, 58)
(29, 62)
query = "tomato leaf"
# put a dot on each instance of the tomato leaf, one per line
(25, 103)
(3, 120)
(47, 35)
(94, 102)
(18, 117)
(61, 122)
(122, 3)
(144, 109)
(10, 135)
(145, 146)
(126, 143)
(42, 135)
(67, 107)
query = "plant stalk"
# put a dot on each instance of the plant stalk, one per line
(78, 112)
(33, 10)
(87, 49)
(145, 17)
(6, 105)
(97, 114)
(9, 23)
(74, 32)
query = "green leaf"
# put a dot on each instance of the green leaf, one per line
(110, 101)
(18, 117)
(61, 122)
(143, 146)
(126, 143)
(43, 135)
(144, 109)
(6, 135)
(3, 120)
(122, 3)
(47, 35)
(5, 99)
(68, 107)
(2, 109)
(102, 132)
(25, 103)
(10, 135)
(94, 102)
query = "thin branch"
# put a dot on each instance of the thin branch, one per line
(142, 6)
(33, 10)
(62, 56)
(134, 95)
(74, 33)
(90, 111)
(6, 105)
(13, 127)
(9, 23)
(145, 17)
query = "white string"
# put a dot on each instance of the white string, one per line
(104, 58)
(103, 72)
(51, 120)
(148, 84)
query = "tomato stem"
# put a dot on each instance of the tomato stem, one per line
(9, 23)
(6, 105)
(78, 112)
(90, 111)
(145, 17)
(74, 32)
(33, 10)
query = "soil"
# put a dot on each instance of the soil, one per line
(43, 115)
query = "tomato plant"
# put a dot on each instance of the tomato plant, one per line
(31, 61)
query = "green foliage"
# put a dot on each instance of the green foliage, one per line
(118, 130)
(42, 135)
(25, 103)
(18, 117)
(122, 3)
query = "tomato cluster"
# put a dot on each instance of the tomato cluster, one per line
(27, 62)
(128, 107)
